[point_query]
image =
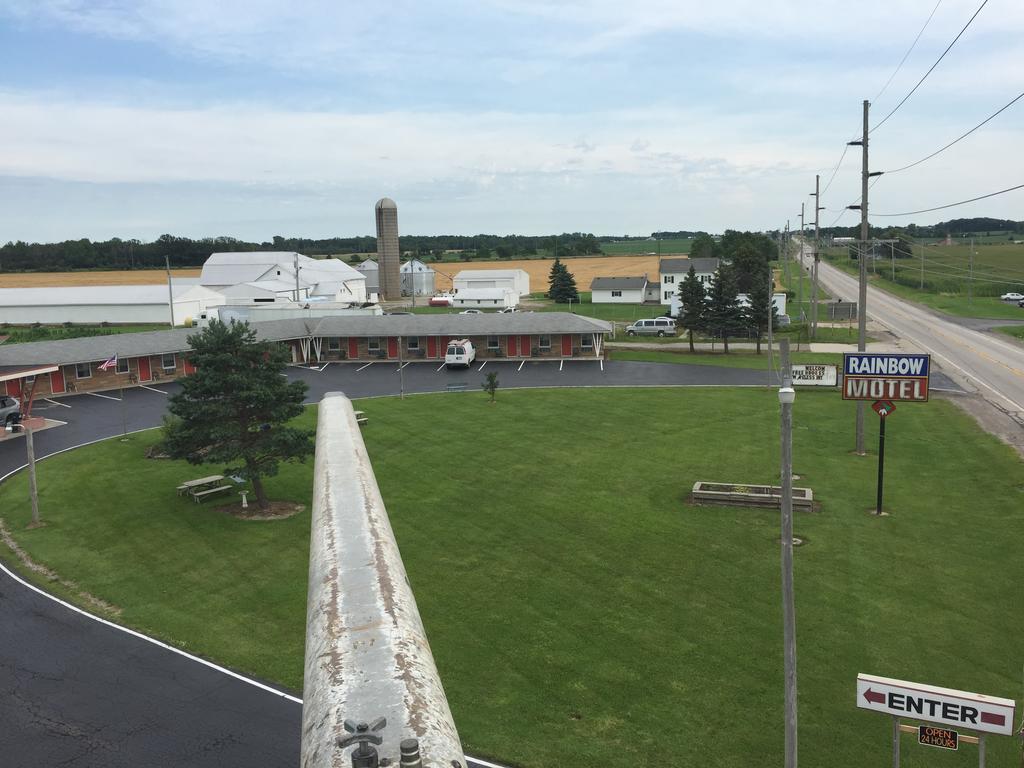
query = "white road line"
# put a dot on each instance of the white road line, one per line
(520, 366)
(54, 402)
(152, 389)
(601, 361)
(105, 397)
(363, 366)
(440, 368)
(401, 367)
(482, 365)
(560, 364)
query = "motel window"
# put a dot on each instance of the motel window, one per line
(83, 370)
(167, 362)
(492, 342)
(586, 341)
(670, 279)
(414, 343)
(122, 365)
(373, 344)
(333, 344)
(544, 342)
(616, 293)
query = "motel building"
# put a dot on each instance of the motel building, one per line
(54, 368)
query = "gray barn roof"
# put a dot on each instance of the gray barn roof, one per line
(678, 266)
(618, 283)
(92, 348)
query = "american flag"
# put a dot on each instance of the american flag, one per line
(110, 363)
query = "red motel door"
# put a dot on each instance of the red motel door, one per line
(353, 349)
(392, 347)
(431, 346)
(524, 346)
(566, 345)
(145, 374)
(511, 346)
(57, 381)
(189, 368)
(14, 387)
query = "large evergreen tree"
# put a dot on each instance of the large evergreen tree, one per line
(725, 316)
(561, 284)
(694, 300)
(758, 312)
(235, 408)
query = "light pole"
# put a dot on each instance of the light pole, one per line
(786, 397)
(32, 488)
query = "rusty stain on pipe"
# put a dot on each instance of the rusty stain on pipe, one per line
(367, 654)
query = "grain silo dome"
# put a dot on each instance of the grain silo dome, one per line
(386, 202)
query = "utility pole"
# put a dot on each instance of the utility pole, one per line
(970, 275)
(817, 257)
(170, 290)
(785, 252)
(922, 266)
(786, 397)
(771, 313)
(800, 269)
(862, 297)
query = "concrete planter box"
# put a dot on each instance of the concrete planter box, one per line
(738, 495)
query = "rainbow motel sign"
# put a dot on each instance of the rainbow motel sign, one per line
(893, 377)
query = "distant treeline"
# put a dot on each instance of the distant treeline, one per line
(185, 252)
(953, 227)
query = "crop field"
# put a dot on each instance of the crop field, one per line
(122, 277)
(667, 247)
(590, 605)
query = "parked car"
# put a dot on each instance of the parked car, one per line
(460, 354)
(10, 410)
(508, 310)
(471, 312)
(657, 326)
(1021, 303)
(1012, 296)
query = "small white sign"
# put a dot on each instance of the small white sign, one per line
(915, 701)
(815, 375)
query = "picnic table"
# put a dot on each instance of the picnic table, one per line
(203, 487)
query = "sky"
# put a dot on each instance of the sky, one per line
(255, 118)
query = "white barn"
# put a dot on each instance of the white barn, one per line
(516, 279)
(618, 290)
(485, 298)
(329, 279)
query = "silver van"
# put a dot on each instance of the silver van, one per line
(658, 326)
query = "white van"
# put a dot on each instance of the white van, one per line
(460, 353)
(658, 326)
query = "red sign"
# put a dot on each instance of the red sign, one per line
(883, 407)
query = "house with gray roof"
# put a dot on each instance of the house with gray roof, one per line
(618, 290)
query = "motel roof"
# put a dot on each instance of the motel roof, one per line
(126, 345)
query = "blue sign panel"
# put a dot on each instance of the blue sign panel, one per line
(885, 376)
(887, 365)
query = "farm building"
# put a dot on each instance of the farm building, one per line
(485, 298)
(48, 368)
(286, 274)
(105, 303)
(673, 271)
(618, 290)
(371, 272)
(417, 279)
(469, 279)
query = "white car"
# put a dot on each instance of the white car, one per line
(508, 310)
(1012, 296)
(471, 312)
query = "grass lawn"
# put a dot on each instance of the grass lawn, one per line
(1017, 331)
(735, 359)
(665, 247)
(21, 334)
(572, 596)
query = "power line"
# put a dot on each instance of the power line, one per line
(951, 205)
(909, 50)
(836, 169)
(964, 136)
(932, 67)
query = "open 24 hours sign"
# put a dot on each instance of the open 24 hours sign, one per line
(881, 376)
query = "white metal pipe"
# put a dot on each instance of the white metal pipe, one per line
(367, 654)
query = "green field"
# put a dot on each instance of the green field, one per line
(1017, 331)
(735, 359)
(665, 247)
(948, 284)
(570, 593)
(22, 334)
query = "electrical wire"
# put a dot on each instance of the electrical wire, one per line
(950, 205)
(964, 136)
(931, 68)
(909, 50)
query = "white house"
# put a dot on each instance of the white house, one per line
(516, 279)
(329, 279)
(417, 278)
(485, 298)
(673, 271)
(618, 290)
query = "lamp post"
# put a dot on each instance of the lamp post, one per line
(32, 488)
(786, 397)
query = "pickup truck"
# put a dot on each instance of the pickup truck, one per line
(460, 354)
(10, 410)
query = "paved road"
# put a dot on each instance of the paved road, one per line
(76, 692)
(979, 361)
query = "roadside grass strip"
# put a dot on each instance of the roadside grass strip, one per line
(570, 592)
